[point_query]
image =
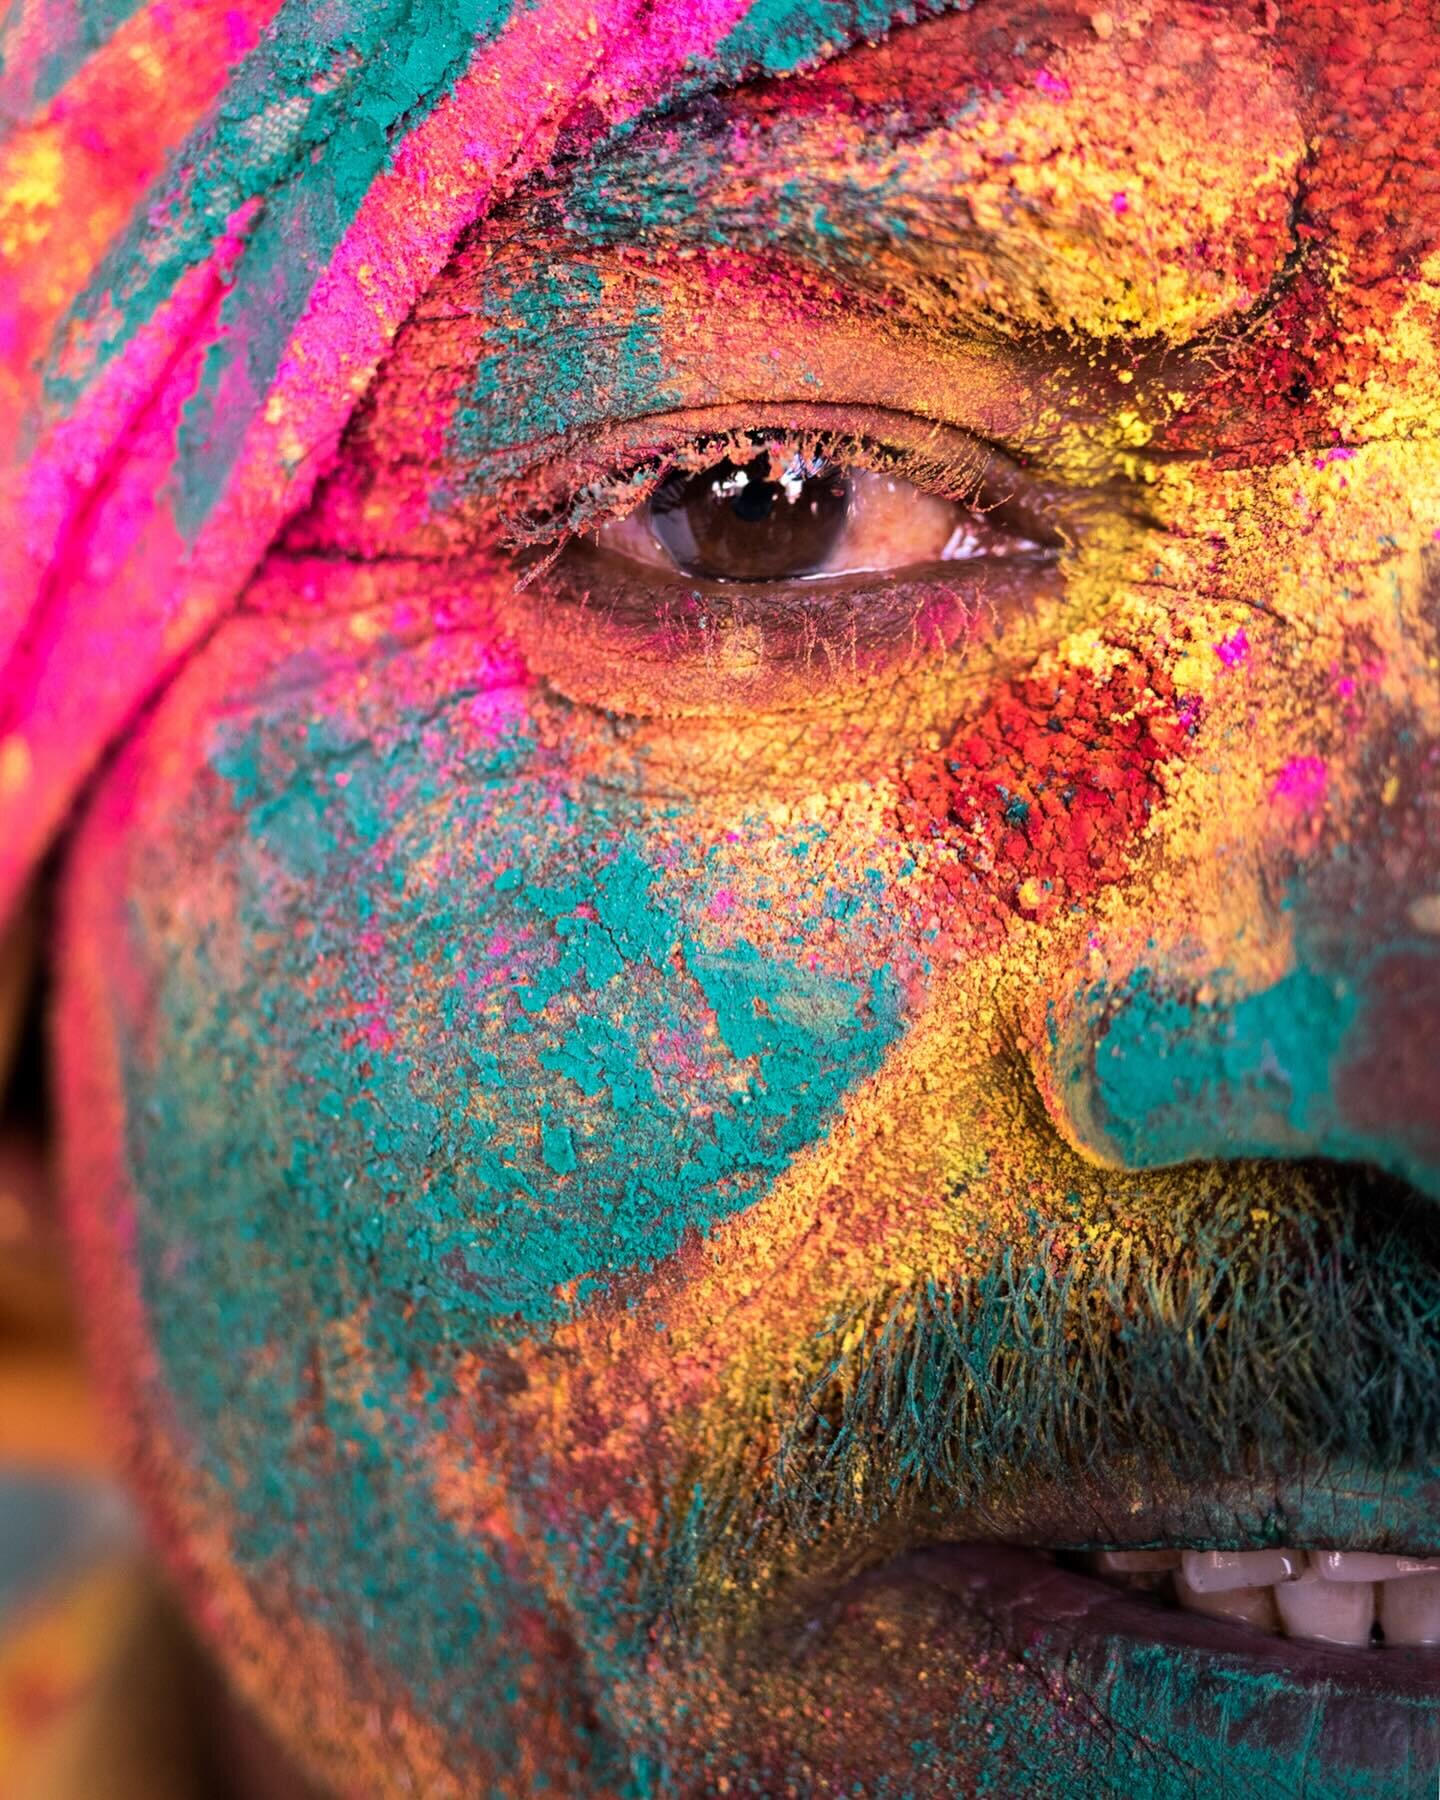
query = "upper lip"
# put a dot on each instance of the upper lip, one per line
(1333, 1440)
(1325, 1507)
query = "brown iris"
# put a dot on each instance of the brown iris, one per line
(754, 521)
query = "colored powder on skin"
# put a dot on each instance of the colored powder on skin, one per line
(594, 970)
(1149, 1719)
(1190, 1321)
(553, 362)
(322, 1160)
(1167, 1069)
(1049, 790)
(1301, 784)
(866, 197)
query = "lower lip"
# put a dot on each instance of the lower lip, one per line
(1340, 1721)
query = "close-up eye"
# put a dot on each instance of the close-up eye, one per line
(783, 515)
(787, 562)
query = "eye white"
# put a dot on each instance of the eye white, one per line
(890, 525)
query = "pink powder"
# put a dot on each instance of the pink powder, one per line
(1234, 650)
(1301, 784)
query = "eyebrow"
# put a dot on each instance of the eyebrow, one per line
(885, 219)
(834, 189)
(915, 185)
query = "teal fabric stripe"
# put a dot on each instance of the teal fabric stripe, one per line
(338, 77)
(780, 37)
(303, 226)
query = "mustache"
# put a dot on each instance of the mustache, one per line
(1286, 1318)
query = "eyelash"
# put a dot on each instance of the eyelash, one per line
(563, 500)
(635, 640)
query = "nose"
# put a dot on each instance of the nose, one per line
(1338, 1055)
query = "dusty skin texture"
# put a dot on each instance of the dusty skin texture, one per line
(607, 1114)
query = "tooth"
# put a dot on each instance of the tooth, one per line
(1367, 1565)
(1410, 1610)
(1220, 1571)
(1251, 1605)
(1330, 1612)
(1134, 1562)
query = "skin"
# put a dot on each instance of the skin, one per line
(594, 1145)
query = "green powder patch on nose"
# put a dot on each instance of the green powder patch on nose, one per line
(1169, 1071)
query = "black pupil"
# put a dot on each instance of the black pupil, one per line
(733, 522)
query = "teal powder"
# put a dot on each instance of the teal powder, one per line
(554, 362)
(1128, 1717)
(1166, 1069)
(359, 1129)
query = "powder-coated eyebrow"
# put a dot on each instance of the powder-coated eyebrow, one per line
(1014, 196)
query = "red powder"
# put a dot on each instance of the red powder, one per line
(1044, 797)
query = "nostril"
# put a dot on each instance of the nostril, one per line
(1331, 1062)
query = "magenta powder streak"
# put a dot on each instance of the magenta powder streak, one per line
(1301, 784)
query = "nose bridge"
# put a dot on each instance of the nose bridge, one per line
(1188, 1044)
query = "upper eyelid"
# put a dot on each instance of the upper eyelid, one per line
(931, 454)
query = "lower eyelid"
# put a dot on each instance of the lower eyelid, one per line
(632, 641)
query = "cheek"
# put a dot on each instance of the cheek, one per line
(412, 1049)
(263, 1329)
(1042, 801)
(438, 1033)
(523, 1032)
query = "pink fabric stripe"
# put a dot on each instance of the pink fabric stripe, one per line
(232, 27)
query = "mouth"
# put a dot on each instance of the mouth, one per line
(1356, 1598)
(1051, 1674)
(1333, 1650)
(1196, 1500)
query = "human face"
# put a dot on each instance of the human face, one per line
(642, 1143)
